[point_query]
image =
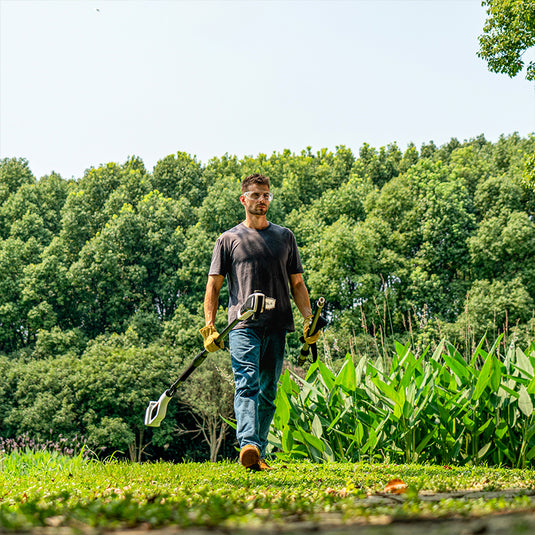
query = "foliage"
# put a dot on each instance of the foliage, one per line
(411, 245)
(529, 171)
(435, 407)
(42, 490)
(509, 32)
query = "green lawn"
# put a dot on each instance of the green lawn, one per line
(43, 489)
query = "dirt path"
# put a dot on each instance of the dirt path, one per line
(504, 523)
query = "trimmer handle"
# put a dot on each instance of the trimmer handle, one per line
(316, 324)
(255, 304)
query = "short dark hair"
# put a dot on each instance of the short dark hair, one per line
(256, 178)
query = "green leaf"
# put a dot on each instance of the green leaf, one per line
(496, 374)
(397, 399)
(530, 432)
(287, 439)
(483, 378)
(327, 375)
(316, 428)
(360, 368)
(483, 450)
(430, 435)
(347, 378)
(524, 401)
(530, 454)
(457, 366)
(478, 351)
(484, 426)
(282, 413)
(437, 354)
(523, 364)
(312, 442)
(531, 386)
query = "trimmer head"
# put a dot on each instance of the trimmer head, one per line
(157, 410)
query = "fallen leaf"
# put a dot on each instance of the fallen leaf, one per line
(396, 486)
(342, 493)
(54, 521)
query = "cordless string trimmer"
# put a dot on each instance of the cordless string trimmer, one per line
(255, 304)
(317, 323)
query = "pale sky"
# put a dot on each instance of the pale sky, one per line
(83, 83)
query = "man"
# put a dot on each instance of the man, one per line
(256, 255)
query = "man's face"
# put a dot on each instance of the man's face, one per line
(256, 199)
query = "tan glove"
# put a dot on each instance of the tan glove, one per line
(209, 333)
(306, 325)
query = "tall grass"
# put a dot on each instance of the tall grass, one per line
(440, 407)
(23, 462)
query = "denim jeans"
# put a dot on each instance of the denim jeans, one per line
(257, 359)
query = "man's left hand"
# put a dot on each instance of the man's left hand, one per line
(306, 326)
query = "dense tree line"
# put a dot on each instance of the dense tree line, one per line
(102, 278)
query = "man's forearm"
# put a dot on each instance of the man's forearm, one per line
(211, 298)
(301, 297)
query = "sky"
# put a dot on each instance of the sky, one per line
(87, 82)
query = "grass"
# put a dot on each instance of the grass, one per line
(42, 489)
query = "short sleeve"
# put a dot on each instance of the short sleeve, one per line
(219, 264)
(294, 260)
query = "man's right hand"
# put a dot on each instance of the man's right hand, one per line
(209, 333)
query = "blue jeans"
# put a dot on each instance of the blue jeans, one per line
(257, 359)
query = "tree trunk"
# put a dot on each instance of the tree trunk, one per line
(136, 448)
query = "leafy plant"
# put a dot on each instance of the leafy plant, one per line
(437, 407)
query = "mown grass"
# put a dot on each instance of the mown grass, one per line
(42, 489)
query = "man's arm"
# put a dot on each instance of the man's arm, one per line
(300, 294)
(211, 298)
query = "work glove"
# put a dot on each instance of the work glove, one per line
(209, 333)
(306, 325)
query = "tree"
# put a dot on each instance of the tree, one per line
(14, 255)
(180, 176)
(493, 307)
(221, 208)
(504, 248)
(380, 166)
(209, 395)
(44, 399)
(131, 265)
(14, 172)
(46, 291)
(114, 382)
(194, 262)
(93, 201)
(43, 200)
(339, 262)
(508, 32)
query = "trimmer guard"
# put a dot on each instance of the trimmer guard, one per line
(157, 410)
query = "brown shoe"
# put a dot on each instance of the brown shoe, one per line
(250, 456)
(264, 466)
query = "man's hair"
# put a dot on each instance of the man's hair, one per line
(254, 179)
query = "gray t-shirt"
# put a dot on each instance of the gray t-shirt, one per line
(258, 260)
